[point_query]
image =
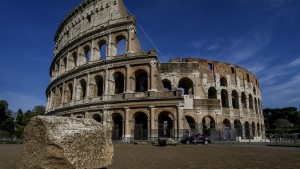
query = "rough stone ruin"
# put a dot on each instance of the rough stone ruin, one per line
(52, 142)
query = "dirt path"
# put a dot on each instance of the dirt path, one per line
(128, 156)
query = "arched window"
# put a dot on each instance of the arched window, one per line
(250, 102)
(117, 132)
(223, 82)
(227, 124)
(244, 100)
(254, 90)
(258, 130)
(87, 52)
(119, 82)
(187, 86)
(121, 45)
(99, 86)
(224, 97)
(83, 91)
(75, 59)
(235, 100)
(212, 93)
(141, 81)
(65, 64)
(253, 129)
(255, 104)
(102, 50)
(167, 85)
(247, 130)
(59, 98)
(70, 92)
(191, 122)
(141, 126)
(238, 127)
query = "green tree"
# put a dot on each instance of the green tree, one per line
(3, 110)
(9, 124)
(19, 118)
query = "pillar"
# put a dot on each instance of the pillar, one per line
(152, 123)
(106, 81)
(179, 121)
(127, 124)
(128, 72)
(153, 86)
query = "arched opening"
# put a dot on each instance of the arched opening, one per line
(187, 86)
(253, 130)
(226, 124)
(254, 90)
(102, 50)
(65, 64)
(87, 53)
(74, 57)
(238, 127)
(117, 132)
(59, 98)
(235, 100)
(191, 122)
(250, 102)
(223, 82)
(141, 126)
(97, 117)
(141, 81)
(119, 83)
(259, 106)
(99, 86)
(167, 85)
(247, 130)
(208, 125)
(165, 125)
(83, 91)
(244, 101)
(212, 93)
(70, 92)
(121, 45)
(224, 98)
(258, 130)
(255, 104)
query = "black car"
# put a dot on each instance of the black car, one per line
(196, 139)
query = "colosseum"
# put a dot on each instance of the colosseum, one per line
(99, 71)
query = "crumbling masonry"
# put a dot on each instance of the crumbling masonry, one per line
(99, 71)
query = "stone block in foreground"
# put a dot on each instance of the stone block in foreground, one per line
(52, 142)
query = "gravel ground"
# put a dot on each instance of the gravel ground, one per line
(128, 156)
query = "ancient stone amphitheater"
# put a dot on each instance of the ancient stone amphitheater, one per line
(99, 71)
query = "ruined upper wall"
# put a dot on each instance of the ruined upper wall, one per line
(87, 17)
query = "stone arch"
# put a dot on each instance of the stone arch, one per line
(74, 59)
(250, 102)
(226, 124)
(83, 89)
(102, 44)
(224, 98)
(165, 124)
(212, 93)
(140, 126)
(254, 90)
(69, 95)
(59, 95)
(119, 83)
(141, 81)
(247, 130)
(99, 88)
(255, 105)
(235, 99)
(208, 124)
(253, 129)
(244, 100)
(97, 117)
(223, 82)
(87, 53)
(117, 132)
(238, 127)
(167, 85)
(121, 44)
(65, 64)
(191, 122)
(258, 129)
(187, 85)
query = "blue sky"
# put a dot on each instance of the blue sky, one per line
(261, 35)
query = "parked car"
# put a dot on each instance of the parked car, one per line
(196, 139)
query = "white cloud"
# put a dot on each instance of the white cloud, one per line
(295, 62)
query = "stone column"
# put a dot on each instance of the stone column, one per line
(131, 36)
(106, 81)
(74, 91)
(127, 124)
(88, 86)
(128, 72)
(63, 94)
(152, 123)
(153, 86)
(179, 121)
(243, 131)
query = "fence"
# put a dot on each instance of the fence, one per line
(285, 139)
(7, 136)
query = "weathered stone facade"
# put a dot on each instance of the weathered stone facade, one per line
(92, 77)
